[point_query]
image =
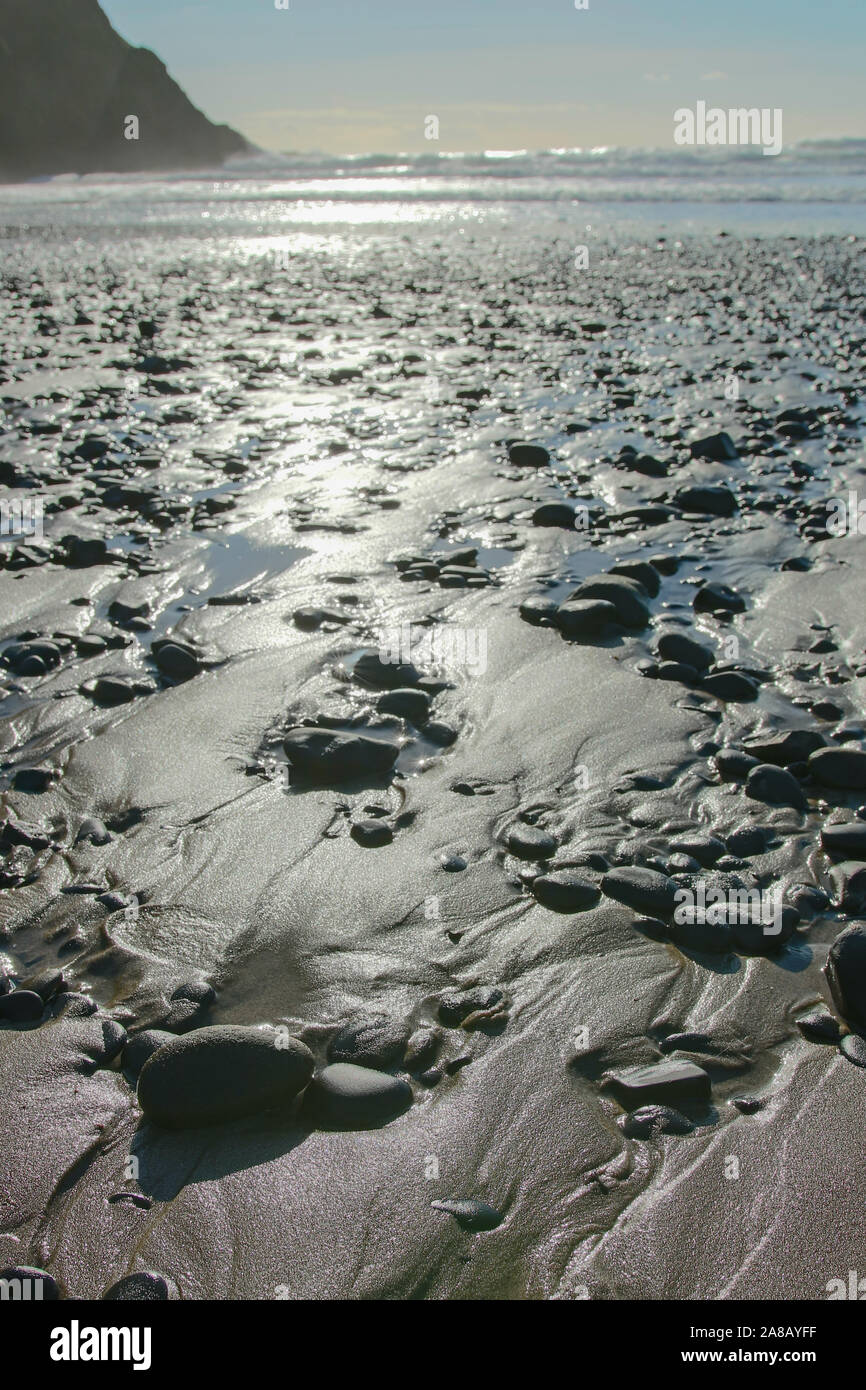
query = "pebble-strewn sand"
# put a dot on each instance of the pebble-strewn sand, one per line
(252, 478)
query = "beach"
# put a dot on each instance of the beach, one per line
(433, 574)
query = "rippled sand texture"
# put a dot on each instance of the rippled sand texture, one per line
(279, 442)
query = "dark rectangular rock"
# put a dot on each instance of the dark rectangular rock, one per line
(662, 1083)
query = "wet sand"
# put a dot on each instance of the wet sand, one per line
(275, 477)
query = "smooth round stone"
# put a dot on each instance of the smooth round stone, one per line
(676, 671)
(554, 514)
(819, 1027)
(676, 646)
(73, 1005)
(176, 660)
(765, 938)
(114, 1037)
(219, 1074)
(375, 1042)
(406, 703)
(646, 464)
(142, 1045)
(826, 709)
(730, 686)
(528, 455)
(30, 1275)
(854, 1048)
(183, 1014)
(705, 848)
(775, 786)
(718, 598)
(197, 991)
(113, 690)
(565, 891)
(538, 610)
(31, 666)
(706, 938)
(627, 596)
(22, 1006)
(372, 834)
(733, 765)
(90, 644)
(529, 842)
(309, 619)
(839, 767)
(665, 564)
(682, 864)
(747, 840)
(651, 893)
(443, 735)
(346, 1096)
(644, 573)
(807, 898)
(121, 612)
(848, 838)
(848, 880)
(93, 831)
(423, 1049)
(47, 652)
(142, 1287)
(845, 972)
(371, 670)
(584, 617)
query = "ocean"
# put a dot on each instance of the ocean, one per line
(812, 188)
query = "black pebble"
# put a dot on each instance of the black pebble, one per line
(49, 1290)
(142, 1287)
(820, 1028)
(22, 1006)
(733, 765)
(407, 703)
(775, 786)
(565, 891)
(141, 1046)
(372, 833)
(846, 975)
(529, 842)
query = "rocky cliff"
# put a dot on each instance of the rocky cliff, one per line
(68, 86)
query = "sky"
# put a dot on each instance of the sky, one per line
(360, 76)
